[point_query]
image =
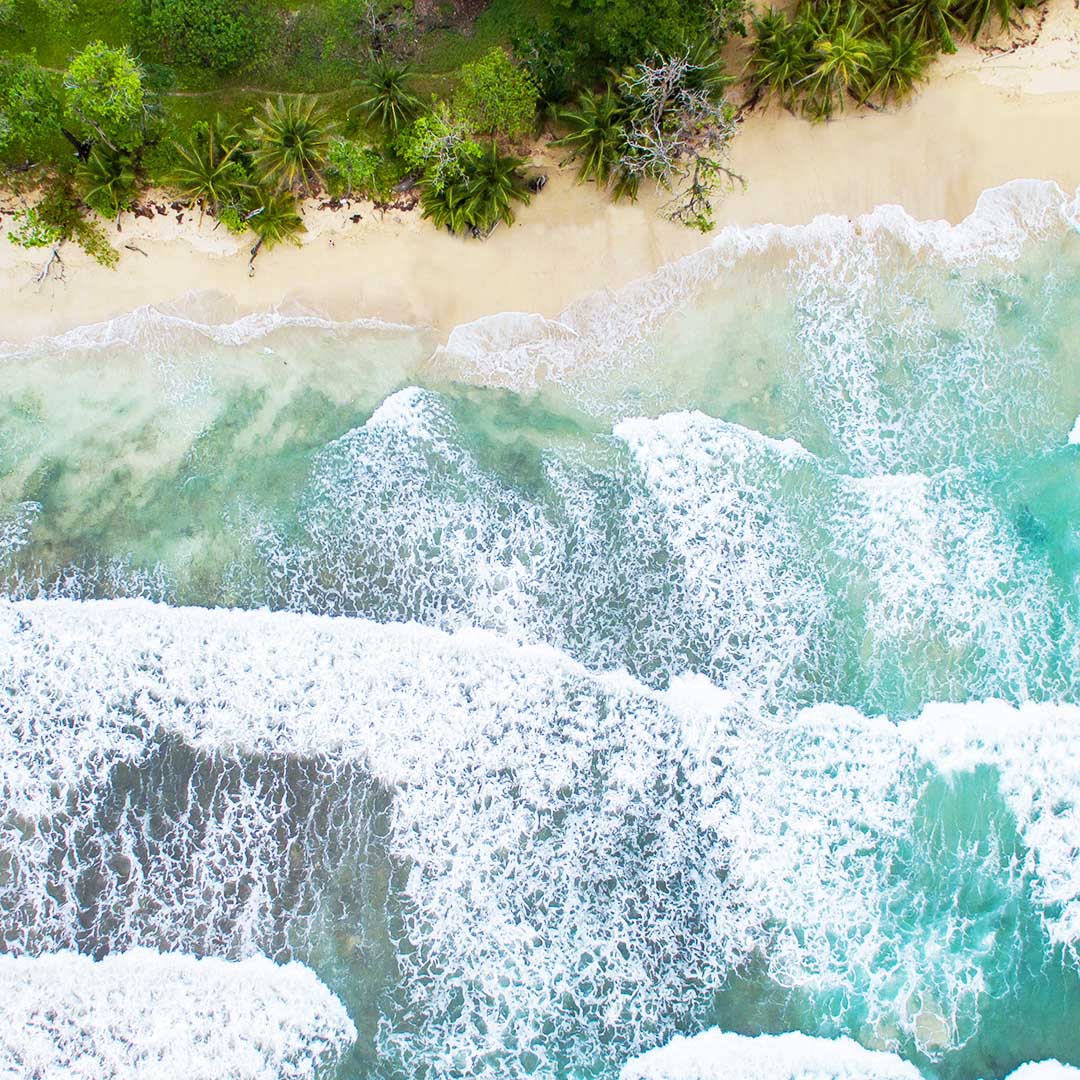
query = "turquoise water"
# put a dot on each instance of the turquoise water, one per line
(708, 658)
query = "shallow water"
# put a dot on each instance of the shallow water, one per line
(630, 729)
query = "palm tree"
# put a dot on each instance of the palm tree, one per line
(208, 171)
(597, 136)
(389, 103)
(494, 184)
(274, 220)
(446, 205)
(933, 21)
(977, 15)
(291, 139)
(843, 61)
(108, 179)
(707, 71)
(783, 57)
(896, 65)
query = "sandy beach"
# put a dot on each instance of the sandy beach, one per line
(983, 118)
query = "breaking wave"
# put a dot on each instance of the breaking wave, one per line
(141, 1013)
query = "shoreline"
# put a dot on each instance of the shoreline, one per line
(981, 121)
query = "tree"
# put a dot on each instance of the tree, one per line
(680, 130)
(597, 135)
(223, 35)
(104, 91)
(274, 220)
(933, 21)
(495, 95)
(438, 148)
(291, 138)
(979, 15)
(896, 65)
(620, 32)
(494, 184)
(478, 199)
(108, 181)
(843, 60)
(208, 171)
(60, 216)
(29, 110)
(783, 57)
(389, 103)
(60, 10)
(355, 169)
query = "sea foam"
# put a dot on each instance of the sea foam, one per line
(143, 1015)
(717, 1055)
(581, 857)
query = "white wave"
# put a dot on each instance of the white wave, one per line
(144, 1015)
(147, 326)
(721, 490)
(1074, 434)
(15, 527)
(718, 1055)
(589, 860)
(1044, 1070)
(1034, 749)
(596, 342)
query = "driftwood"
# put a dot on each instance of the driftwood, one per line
(135, 247)
(53, 260)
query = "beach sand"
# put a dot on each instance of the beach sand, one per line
(981, 120)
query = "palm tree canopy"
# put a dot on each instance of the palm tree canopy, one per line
(292, 138)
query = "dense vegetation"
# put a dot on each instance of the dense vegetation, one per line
(240, 107)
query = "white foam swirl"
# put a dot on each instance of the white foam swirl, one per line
(142, 1015)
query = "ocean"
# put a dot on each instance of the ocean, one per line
(704, 660)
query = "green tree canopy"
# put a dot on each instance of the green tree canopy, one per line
(495, 95)
(621, 32)
(223, 35)
(104, 91)
(29, 110)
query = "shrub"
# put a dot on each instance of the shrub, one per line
(223, 35)
(496, 95)
(355, 169)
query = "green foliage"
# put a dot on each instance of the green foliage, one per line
(355, 169)
(61, 10)
(437, 148)
(619, 32)
(389, 101)
(366, 28)
(32, 231)
(275, 219)
(60, 216)
(598, 139)
(479, 198)
(222, 35)
(496, 95)
(494, 185)
(815, 62)
(104, 90)
(843, 59)
(554, 62)
(108, 181)
(896, 65)
(292, 138)
(208, 170)
(29, 110)
(932, 21)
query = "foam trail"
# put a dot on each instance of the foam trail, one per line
(144, 1015)
(718, 1055)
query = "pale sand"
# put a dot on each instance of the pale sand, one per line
(981, 121)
